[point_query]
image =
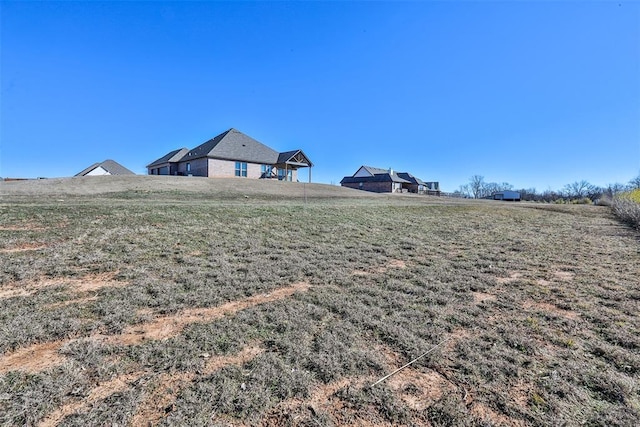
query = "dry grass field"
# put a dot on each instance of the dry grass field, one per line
(176, 301)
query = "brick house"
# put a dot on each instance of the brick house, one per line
(232, 154)
(378, 180)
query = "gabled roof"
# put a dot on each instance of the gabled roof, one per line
(234, 145)
(370, 171)
(296, 157)
(412, 179)
(375, 171)
(111, 166)
(172, 156)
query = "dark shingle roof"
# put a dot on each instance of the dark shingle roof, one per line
(288, 155)
(234, 145)
(111, 166)
(412, 179)
(380, 177)
(374, 171)
(173, 156)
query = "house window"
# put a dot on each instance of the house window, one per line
(188, 167)
(265, 171)
(241, 169)
(285, 175)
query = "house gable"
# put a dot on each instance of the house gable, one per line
(369, 171)
(294, 158)
(108, 167)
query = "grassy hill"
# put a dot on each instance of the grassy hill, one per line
(178, 301)
(167, 185)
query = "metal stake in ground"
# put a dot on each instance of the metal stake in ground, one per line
(413, 361)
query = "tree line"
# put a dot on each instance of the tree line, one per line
(581, 191)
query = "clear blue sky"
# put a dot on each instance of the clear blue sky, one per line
(537, 94)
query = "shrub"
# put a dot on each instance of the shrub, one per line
(634, 195)
(627, 209)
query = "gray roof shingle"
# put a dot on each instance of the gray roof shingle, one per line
(234, 145)
(411, 178)
(111, 166)
(172, 156)
(380, 177)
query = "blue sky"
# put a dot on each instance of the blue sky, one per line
(537, 94)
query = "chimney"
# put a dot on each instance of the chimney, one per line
(390, 171)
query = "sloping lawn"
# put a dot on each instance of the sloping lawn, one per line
(137, 308)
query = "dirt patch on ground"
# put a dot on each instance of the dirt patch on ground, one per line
(564, 275)
(492, 417)
(76, 301)
(550, 308)
(102, 391)
(159, 400)
(169, 326)
(418, 389)
(480, 297)
(454, 337)
(397, 263)
(34, 358)
(394, 263)
(22, 227)
(511, 278)
(42, 356)
(25, 247)
(89, 283)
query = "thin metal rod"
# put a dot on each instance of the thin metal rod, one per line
(413, 361)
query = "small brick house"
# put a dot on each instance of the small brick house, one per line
(378, 180)
(232, 154)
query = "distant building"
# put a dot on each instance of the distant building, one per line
(232, 153)
(108, 167)
(506, 195)
(378, 180)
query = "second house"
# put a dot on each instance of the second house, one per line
(232, 153)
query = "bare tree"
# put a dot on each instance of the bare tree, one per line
(578, 190)
(529, 194)
(613, 189)
(465, 191)
(477, 186)
(635, 182)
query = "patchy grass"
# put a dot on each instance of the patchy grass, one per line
(201, 307)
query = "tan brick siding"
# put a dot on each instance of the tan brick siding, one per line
(221, 168)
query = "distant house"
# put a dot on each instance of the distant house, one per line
(378, 180)
(108, 167)
(232, 154)
(506, 195)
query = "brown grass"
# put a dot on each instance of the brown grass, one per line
(169, 326)
(166, 302)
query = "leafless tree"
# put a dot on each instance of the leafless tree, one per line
(465, 191)
(635, 182)
(477, 186)
(578, 190)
